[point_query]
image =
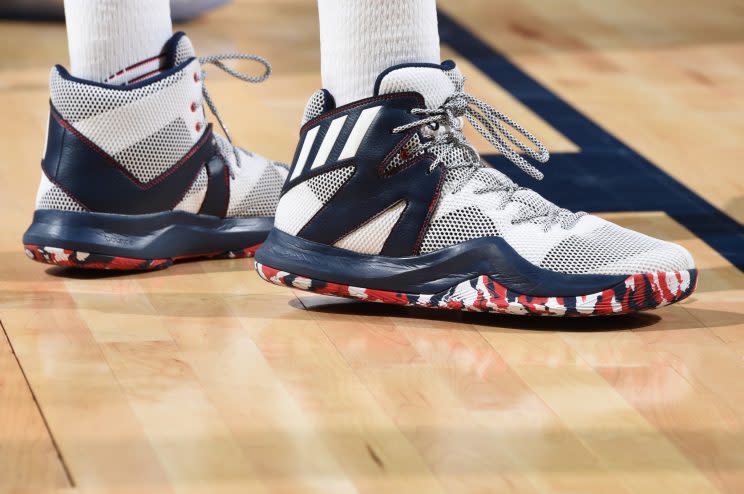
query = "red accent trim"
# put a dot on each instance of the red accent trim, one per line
(144, 76)
(432, 207)
(396, 149)
(138, 64)
(226, 174)
(146, 61)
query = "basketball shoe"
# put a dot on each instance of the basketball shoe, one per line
(134, 178)
(387, 201)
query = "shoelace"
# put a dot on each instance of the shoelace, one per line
(218, 61)
(446, 127)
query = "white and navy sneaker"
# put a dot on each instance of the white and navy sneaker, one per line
(133, 178)
(386, 201)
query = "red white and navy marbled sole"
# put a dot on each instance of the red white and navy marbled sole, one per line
(78, 259)
(484, 294)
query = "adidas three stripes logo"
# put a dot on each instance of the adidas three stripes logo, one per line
(350, 148)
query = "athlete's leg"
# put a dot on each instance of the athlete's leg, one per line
(105, 36)
(360, 39)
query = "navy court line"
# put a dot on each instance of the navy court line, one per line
(606, 174)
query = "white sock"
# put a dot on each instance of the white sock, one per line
(361, 38)
(105, 36)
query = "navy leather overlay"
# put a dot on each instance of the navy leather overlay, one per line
(218, 190)
(368, 191)
(429, 273)
(101, 184)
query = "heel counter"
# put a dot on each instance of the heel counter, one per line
(53, 143)
(100, 183)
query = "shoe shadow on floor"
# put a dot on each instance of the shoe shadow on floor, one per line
(712, 279)
(287, 309)
(182, 267)
(327, 305)
(674, 318)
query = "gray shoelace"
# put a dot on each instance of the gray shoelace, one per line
(444, 125)
(218, 61)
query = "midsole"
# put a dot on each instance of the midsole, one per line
(483, 294)
(146, 236)
(428, 273)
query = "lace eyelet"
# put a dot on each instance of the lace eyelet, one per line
(196, 77)
(193, 106)
(198, 126)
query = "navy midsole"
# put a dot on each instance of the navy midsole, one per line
(429, 273)
(145, 236)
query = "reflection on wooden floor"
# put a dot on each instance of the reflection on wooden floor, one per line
(203, 378)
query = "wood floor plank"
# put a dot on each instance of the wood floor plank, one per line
(368, 445)
(203, 378)
(28, 456)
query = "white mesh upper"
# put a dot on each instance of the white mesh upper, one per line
(256, 187)
(611, 249)
(326, 185)
(478, 205)
(485, 203)
(432, 83)
(184, 50)
(77, 101)
(314, 107)
(150, 128)
(156, 153)
(590, 245)
(50, 196)
(147, 129)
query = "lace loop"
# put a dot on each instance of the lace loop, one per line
(218, 61)
(496, 127)
(491, 123)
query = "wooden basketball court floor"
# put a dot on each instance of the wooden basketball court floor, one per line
(202, 378)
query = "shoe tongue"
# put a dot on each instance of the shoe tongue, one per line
(177, 50)
(429, 80)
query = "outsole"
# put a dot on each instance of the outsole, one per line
(484, 294)
(88, 260)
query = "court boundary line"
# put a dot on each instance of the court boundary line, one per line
(580, 180)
